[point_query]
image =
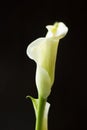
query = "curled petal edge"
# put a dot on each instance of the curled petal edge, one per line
(58, 30)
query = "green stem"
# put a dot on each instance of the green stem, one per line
(40, 113)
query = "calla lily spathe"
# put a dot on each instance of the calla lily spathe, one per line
(44, 52)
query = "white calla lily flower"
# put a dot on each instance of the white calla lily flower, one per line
(44, 52)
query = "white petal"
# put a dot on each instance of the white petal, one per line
(31, 49)
(62, 30)
(43, 81)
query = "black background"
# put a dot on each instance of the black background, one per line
(20, 24)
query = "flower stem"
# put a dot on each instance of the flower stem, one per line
(40, 113)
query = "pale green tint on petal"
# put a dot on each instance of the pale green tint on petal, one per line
(43, 51)
(58, 30)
